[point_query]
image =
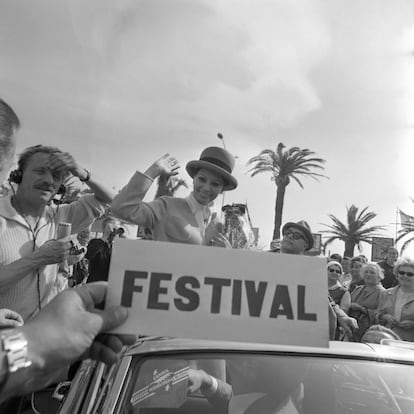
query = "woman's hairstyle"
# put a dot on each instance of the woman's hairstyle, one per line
(336, 257)
(376, 266)
(360, 259)
(334, 263)
(380, 329)
(403, 261)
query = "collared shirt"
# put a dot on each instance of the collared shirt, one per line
(201, 212)
(18, 240)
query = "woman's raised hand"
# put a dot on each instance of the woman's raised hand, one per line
(166, 165)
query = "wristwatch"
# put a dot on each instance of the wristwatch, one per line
(14, 345)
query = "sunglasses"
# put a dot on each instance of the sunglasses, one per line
(294, 236)
(402, 273)
(334, 270)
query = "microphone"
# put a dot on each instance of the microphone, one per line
(63, 230)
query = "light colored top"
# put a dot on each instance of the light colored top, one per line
(16, 241)
(345, 302)
(171, 219)
(400, 300)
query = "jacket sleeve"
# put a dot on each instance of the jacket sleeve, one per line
(128, 205)
(221, 397)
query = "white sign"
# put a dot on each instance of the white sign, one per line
(205, 292)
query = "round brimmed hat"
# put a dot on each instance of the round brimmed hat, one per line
(218, 160)
(303, 226)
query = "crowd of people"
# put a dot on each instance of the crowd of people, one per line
(375, 293)
(52, 325)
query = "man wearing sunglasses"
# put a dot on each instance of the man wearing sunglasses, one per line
(297, 239)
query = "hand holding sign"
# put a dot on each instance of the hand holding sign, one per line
(233, 294)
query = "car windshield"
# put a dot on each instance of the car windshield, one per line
(264, 383)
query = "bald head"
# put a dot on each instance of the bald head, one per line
(9, 123)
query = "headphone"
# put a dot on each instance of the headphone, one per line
(16, 177)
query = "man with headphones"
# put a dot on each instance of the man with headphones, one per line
(29, 251)
(67, 329)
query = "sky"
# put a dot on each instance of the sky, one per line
(118, 84)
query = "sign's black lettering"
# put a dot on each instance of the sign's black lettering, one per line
(193, 299)
(155, 290)
(281, 304)
(217, 284)
(302, 315)
(255, 297)
(129, 286)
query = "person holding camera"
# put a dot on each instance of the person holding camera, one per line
(99, 250)
(30, 247)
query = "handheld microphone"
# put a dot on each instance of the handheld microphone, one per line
(63, 230)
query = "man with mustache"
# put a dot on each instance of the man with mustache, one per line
(70, 327)
(29, 251)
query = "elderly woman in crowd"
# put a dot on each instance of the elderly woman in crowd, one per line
(366, 298)
(182, 220)
(396, 309)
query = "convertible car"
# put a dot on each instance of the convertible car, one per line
(156, 376)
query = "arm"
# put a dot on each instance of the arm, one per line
(128, 205)
(382, 314)
(343, 320)
(64, 162)
(216, 391)
(345, 302)
(51, 252)
(64, 331)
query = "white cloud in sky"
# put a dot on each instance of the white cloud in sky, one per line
(120, 83)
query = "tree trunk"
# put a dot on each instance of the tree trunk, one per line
(349, 248)
(280, 198)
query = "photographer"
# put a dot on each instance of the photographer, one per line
(99, 250)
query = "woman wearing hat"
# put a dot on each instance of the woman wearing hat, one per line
(174, 219)
(337, 292)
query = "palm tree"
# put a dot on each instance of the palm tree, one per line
(354, 231)
(285, 165)
(168, 185)
(406, 231)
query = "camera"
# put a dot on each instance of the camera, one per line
(119, 231)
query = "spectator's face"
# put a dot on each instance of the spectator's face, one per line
(392, 254)
(294, 241)
(405, 274)
(207, 185)
(39, 183)
(334, 272)
(346, 265)
(370, 275)
(356, 269)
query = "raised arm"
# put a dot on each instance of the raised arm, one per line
(65, 162)
(128, 205)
